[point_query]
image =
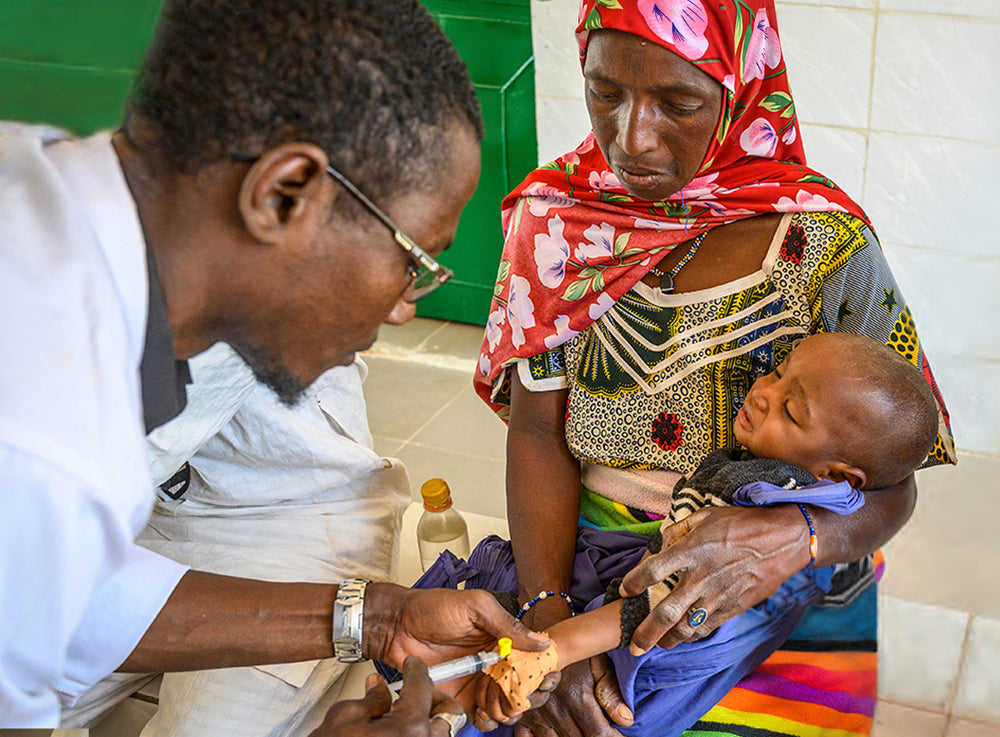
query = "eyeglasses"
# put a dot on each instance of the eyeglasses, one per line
(426, 274)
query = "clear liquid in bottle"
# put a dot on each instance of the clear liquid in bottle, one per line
(440, 527)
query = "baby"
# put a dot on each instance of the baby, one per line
(840, 407)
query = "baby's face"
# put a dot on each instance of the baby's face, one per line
(795, 413)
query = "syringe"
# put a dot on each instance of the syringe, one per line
(464, 666)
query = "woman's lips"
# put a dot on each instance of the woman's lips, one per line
(640, 180)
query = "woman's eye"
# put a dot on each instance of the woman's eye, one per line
(788, 414)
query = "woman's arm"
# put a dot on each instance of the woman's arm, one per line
(543, 509)
(732, 558)
(543, 499)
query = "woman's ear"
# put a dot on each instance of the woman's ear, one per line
(839, 471)
(282, 190)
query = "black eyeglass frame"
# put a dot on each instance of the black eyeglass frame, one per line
(426, 274)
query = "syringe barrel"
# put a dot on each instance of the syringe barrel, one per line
(462, 666)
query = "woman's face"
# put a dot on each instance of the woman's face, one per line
(653, 113)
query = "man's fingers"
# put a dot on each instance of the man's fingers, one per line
(377, 699)
(608, 693)
(417, 693)
(494, 619)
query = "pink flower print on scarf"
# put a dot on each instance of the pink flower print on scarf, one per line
(520, 308)
(764, 49)
(604, 180)
(807, 202)
(599, 246)
(679, 22)
(551, 254)
(759, 139)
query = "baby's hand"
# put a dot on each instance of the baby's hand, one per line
(493, 708)
(518, 682)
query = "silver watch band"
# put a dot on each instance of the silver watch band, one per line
(348, 615)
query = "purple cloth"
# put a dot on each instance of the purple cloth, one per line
(837, 496)
(668, 690)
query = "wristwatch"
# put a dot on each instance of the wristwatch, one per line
(348, 614)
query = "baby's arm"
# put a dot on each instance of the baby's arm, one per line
(515, 678)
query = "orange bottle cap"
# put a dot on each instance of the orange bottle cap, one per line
(436, 494)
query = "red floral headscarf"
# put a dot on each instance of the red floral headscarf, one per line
(576, 241)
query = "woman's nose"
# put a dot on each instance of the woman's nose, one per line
(637, 128)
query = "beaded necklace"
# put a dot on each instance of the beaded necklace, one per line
(667, 278)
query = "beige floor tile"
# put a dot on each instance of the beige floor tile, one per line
(387, 446)
(969, 728)
(893, 720)
(978, 694)
(945, 554)
(402, 396)
(920, 648)
(467, 425)
(477, 483)
(412, 334)
(456, 339)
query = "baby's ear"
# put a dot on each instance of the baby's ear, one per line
(839, 471)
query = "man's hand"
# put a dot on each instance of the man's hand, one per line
(438, 625)
(727, 558)
(413, 714)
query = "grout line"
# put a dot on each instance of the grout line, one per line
(463, 454)
(433, 417)
(421, 344)
(962, 656)
(436, 360)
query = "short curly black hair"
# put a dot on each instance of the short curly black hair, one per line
(374, 83)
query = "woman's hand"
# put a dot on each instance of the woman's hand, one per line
(730, 558)
(727, 559)
(413, 715)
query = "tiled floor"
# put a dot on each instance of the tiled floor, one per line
(940, 600)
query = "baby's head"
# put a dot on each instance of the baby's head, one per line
(842, 406)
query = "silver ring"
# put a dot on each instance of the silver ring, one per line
(697, 616)
(455, 721)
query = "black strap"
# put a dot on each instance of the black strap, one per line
(176, 485)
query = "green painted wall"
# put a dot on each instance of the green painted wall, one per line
(494, 38)
(71, 62)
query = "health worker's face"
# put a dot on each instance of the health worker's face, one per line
(653, 112)
(355, 277)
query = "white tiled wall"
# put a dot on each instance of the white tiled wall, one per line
(898, 104)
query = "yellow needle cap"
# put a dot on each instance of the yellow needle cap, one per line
(504, 646)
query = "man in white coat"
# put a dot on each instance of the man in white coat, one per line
(254, 488)
(232, 205)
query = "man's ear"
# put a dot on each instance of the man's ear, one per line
(282, 190)
(839, 471)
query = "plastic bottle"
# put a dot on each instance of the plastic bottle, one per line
(440, 527)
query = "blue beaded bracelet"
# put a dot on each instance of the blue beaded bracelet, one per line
(544, 595)
(813, 540)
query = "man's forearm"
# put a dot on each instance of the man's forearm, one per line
(213, 621)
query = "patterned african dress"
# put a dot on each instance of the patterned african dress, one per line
(656, 382)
